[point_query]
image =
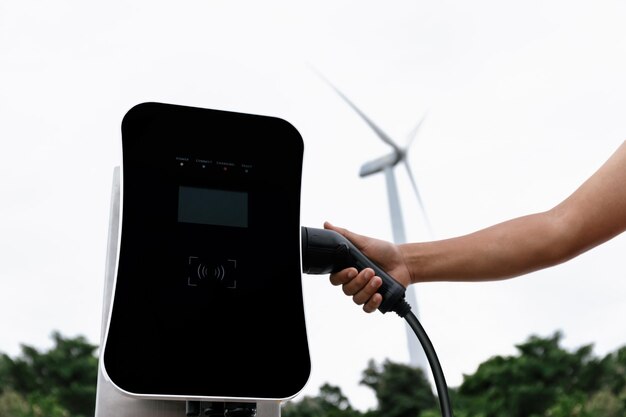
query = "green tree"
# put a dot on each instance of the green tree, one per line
(56, 383)
(12, 404)
(401, 390)
(606, 404)
(532, 382)
(541, 380)
(614, 371)
(330, 403)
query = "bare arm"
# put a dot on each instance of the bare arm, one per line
(593, 214)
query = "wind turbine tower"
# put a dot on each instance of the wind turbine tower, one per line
(387, 164)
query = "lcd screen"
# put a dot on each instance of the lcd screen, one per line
(213, 207)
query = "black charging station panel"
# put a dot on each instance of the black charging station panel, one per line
(208, 296)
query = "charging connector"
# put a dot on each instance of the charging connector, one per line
(325, 251)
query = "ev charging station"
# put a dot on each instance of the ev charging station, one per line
(203, 311)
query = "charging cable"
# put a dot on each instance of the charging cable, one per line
(435, 366)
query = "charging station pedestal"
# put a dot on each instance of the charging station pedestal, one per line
(187, 345)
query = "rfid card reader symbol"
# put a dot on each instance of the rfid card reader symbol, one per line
(204, 272)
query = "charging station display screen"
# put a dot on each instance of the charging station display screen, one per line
(214, 207)
(209, 271)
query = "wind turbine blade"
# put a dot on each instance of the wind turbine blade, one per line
(419, 198)
(381, 134)
(413, 133)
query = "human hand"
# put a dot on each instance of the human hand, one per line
(363, 286)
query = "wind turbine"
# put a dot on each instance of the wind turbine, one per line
(387, 164)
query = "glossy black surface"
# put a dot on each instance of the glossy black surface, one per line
(208, 297)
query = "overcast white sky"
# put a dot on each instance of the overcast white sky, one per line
(524, 99)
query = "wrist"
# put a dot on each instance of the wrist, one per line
(409, 253)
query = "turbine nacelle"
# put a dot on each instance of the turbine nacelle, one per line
(379, 164)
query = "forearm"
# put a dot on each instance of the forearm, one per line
(593, 214)
(505, 250)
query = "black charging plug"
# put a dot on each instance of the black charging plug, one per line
(325, 251)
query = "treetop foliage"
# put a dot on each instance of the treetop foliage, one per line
(60, 382)
(542, 379)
